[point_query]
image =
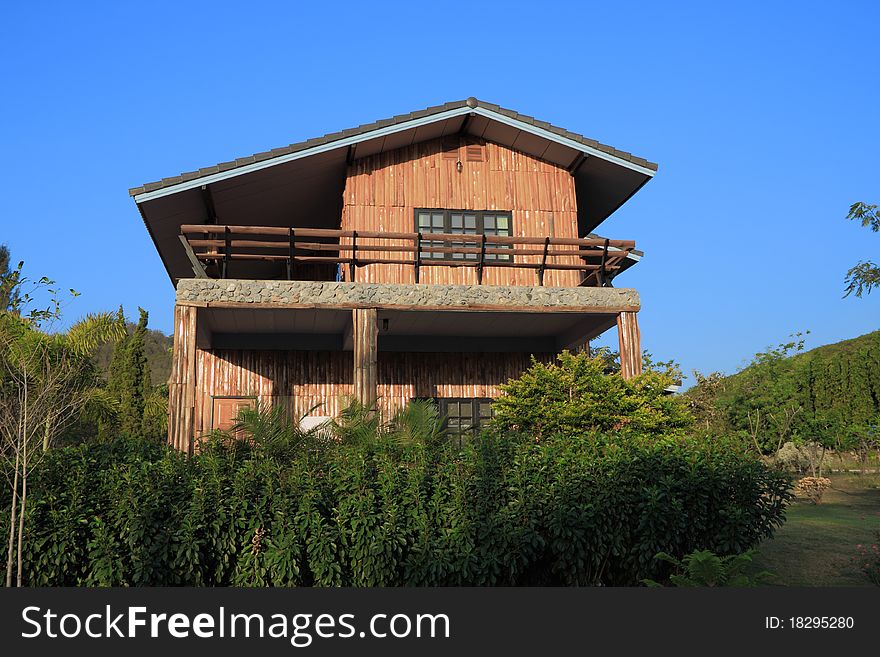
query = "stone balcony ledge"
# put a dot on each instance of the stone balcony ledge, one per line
(255, 293)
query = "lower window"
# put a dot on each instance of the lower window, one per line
(463, 417)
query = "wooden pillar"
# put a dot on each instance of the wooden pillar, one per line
(182, 382)
(630, 344)
(365, 339)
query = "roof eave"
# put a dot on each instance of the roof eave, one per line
(344, 142)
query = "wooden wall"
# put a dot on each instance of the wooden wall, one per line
(301, 380)
(382, 192)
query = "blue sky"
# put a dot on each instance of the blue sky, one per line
(763, 117)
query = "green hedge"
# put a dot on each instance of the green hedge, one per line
(586, 510)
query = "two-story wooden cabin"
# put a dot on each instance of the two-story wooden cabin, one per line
(429, 255)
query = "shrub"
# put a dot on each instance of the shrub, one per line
(705, 568)
(812, 488)
(507, 510)
(575, 395)
(868, 559)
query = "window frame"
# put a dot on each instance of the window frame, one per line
(478, 229)
(461, 434)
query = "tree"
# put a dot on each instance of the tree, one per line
(132, 388)
(46, 379)
(141, 407)
(865, 276)
(703, 400)
(8, 279)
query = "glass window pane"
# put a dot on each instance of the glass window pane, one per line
(437, 220)
(502, 221)
(488, 221)
(424, 219)
(485, 409)
(470, 221)
(457, 221)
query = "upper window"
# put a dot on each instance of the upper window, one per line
(463, 222)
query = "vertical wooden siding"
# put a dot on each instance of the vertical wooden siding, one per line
(407, 375)
(382, 192)
(302, 380)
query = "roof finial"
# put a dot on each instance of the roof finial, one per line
(471, 102)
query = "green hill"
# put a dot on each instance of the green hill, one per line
(826, 392)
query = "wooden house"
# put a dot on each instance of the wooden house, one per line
(429, 255)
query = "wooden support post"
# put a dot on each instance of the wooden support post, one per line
(630, 345)
(182, 382)
(365, 330)
(600, 273)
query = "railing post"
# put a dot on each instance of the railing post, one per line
(482, 260)
(291, 252)
(543, 262)
(418, 254)
(226, 250)
(352, 265)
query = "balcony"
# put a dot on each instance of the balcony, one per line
(280, 253)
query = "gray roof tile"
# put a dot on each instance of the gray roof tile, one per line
(368, 127)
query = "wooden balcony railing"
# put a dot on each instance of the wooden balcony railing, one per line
(598, 259)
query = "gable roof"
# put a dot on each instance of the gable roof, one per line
(362, 132)
(302, 184)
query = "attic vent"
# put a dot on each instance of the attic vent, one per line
(474, 153)
(450, 148)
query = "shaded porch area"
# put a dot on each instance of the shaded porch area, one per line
(312, 348)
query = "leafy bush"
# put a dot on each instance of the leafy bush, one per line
(812, 488)
(575, 395)
(705, 568)
(506, 510)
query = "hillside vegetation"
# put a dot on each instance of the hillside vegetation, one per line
(829, 395)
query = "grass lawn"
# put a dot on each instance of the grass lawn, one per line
(816, 545)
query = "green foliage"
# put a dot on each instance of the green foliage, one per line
(705, 568)
(868, 559)
(157, 347)
(575, 395)
(829, 396)
(140, 406)
(865, 276)
(506, 510)
(9, 297)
